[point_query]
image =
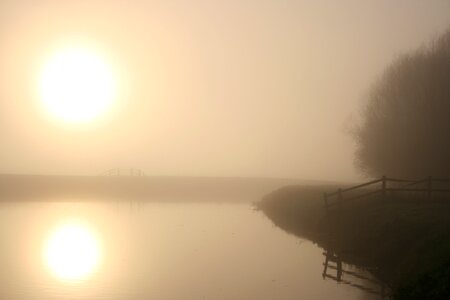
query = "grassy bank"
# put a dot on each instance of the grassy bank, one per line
(403, 239)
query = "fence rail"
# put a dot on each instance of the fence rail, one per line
(385, 185)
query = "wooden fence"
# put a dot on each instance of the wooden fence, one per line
(384, 186)
(425, 188)
(335, 215)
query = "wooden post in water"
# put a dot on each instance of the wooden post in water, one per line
(325, 265)
(383, 187)
(338, 268)
(330, 242)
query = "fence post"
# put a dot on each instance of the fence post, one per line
(429, 187)
(330, 226)
(325, 201)
(340, 199)
(383, 186)
(339, 222)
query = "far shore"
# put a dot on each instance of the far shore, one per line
(142, 188)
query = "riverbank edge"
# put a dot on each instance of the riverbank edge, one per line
(403, 241)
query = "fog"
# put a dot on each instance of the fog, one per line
(206, 88)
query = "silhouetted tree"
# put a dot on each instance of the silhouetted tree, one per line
(406, 127)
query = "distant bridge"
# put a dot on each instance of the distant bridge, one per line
(131, 172)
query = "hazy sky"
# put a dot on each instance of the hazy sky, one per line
(224, 88)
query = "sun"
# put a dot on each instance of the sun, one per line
(77, 85)
(72, 252)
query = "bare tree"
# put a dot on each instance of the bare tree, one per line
(406, 128)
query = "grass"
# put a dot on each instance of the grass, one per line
(404, 239)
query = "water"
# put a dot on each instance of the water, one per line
(156, 251)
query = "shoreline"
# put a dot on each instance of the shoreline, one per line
(401, 240)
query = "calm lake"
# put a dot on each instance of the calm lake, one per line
(149, 250)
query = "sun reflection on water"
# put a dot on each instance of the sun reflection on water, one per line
(72, 251)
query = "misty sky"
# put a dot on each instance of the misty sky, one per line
(223, 88)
